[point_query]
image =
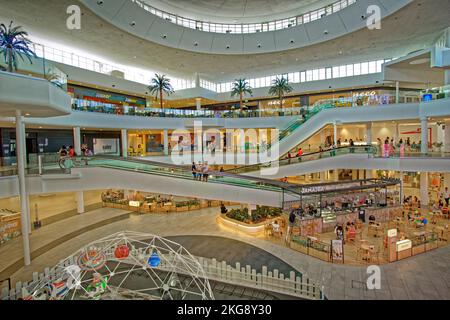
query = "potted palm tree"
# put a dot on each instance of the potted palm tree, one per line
(14, 44)
(160, 84)
(241, 87)
(280, 87)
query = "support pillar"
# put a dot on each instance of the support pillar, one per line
(198, 103)
(80, 202)
(397, 92)
(424, 135)
(25, 210)
(396, 133)
(447, 77)
(446, 146)
(124, 140)
(336, 175)
(402, 190)
(335, 133)
(424, 200)
(369, 174)
(77, 140)
(166, 142)
(369, 133)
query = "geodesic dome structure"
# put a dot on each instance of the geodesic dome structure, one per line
(122, 266)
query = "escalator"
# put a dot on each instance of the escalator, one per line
(364, 150)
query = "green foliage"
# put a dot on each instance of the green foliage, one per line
(261, 214)
(239, 215)
(280, 87)
(189, 203)
(160, 85)
(14, 44)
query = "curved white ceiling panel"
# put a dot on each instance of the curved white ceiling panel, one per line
(131, 18)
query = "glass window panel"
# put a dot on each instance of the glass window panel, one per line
(315, 74)
(322, 74)
(349, 70)
(380, 65)
(329, 73)
(303, 76)
(357, 69)
(309, 75)
(335, 72)
(364, 68)
(372, 67)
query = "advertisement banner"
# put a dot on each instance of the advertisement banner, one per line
(337, 250)
(106, 146)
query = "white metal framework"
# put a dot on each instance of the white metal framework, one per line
(248, 27)
(122, 266)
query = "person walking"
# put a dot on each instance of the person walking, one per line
(386, 149)
(205, 171)
(446, 196)
(402, 148)
(300, 154)
(194, 170)
(391, 148)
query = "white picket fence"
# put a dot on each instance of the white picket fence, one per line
(244, 276)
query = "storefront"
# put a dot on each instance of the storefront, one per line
(87, 99)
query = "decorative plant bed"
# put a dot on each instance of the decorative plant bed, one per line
(241, 220)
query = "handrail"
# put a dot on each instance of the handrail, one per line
(367, 149)
(248, 27)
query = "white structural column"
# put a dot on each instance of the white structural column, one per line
(447, 136)
(369, 133)
(402, 191)
(20, 140)
(166, 142)
(336, 175)
(77, 140)
(335, 133)
(396, 133)
(124, 140)
(424, 135)
(80, 201)
(397, 92)
(424, 200)
(198, 103)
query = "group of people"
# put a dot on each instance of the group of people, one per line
(200, 171)
(67, 155)
(387, 148)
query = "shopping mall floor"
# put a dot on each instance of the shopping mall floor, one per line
(425, 276)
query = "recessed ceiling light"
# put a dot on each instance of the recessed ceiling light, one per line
(27, 114)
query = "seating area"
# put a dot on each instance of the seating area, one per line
(367, 243)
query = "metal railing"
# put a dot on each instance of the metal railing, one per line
(247, 27)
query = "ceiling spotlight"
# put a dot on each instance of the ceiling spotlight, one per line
(164, 36)
(259, 45)
(100, 3)
(228, 47)
(363, 17)
(133, 23)
(292, 41)
(196, 44)
(325, 32)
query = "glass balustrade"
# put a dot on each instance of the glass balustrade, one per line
(44, 69)
(368, 150)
